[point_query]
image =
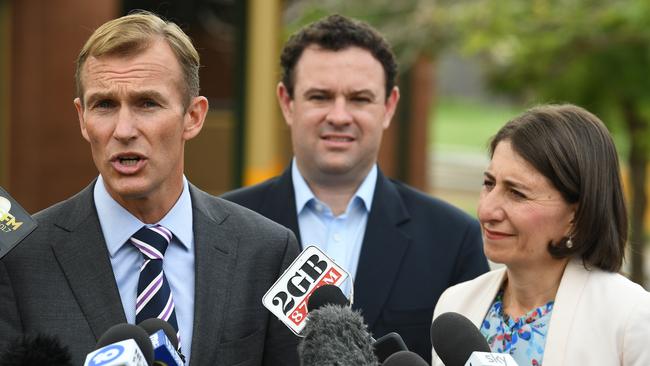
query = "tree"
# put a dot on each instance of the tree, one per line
(594, 53)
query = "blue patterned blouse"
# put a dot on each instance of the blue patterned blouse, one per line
(523, 338)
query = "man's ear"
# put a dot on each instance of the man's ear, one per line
(194, 117)
(391, 105)
(286, 103)
(80, 116)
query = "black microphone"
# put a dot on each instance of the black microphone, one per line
(39, 349)
(388, 345)
(326, 294)
(330, 294)
(152, 325)
(164, 341)
(405, 358)
(336, 335)
(122, 345)
(455, 338)
(15, 223)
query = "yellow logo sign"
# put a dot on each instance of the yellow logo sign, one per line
(8, 222)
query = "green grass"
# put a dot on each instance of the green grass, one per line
(467, 125)
(463, 127)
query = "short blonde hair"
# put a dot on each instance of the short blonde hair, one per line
(132, 34)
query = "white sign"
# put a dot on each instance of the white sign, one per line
(287, 298)
(490, 359)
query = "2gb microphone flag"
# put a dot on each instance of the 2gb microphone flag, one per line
(15, 223)
(287, 298)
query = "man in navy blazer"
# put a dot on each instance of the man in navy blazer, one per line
(401, 247)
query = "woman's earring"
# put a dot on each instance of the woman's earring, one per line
(569, 243)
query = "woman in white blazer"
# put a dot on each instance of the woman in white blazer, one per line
(552, 210)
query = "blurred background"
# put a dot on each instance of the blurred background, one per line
(466, 68)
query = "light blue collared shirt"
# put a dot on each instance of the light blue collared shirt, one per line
(118, 225)
(340, 237)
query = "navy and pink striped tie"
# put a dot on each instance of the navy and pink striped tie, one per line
(154, 294)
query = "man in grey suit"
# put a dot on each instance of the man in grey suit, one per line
(86, 266)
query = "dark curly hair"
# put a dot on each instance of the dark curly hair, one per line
(335, 33)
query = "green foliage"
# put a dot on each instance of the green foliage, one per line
(592, 53)
(468, 124)
(412, 27)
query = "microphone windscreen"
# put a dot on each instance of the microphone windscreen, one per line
(36, 350)
(123, 331)
(387, 345)
(326, 294)
(404, 358)
(454, 338)
(152, 325)
(336, 335)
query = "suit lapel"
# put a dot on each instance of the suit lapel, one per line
(280, 203)
(383, 248)
(84, 260)
(568, 295)
(484, 297)
(215, 244)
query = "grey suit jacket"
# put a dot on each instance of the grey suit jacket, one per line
(59, 281)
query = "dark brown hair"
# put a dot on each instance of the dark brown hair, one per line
(336, 33)
(573, 149)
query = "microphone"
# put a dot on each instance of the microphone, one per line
(404, 358)
(459, 343)
(164, 342)
(122, 345)
(36, 350)
(490, 359)
(324, 295)
(330, 294)
(335, 335)
(388, 345)
(15, 223)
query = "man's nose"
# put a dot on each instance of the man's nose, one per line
(339, 113)
(125, 126)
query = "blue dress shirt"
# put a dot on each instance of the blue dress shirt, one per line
(340, 237)
(118, 225)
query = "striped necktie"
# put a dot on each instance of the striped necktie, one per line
(154, 294)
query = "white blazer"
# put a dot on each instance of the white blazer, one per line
(599, 318)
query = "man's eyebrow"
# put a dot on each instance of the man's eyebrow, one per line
(100, 95)
(137, 95)
(348, 93)
(147, 94)
(317, 90)
(363, 92)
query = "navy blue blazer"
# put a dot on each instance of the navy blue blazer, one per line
(415, 246)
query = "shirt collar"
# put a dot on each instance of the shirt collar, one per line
(118, 224)
(304, 194)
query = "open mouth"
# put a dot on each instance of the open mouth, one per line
(129, 160)
(128, 163)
